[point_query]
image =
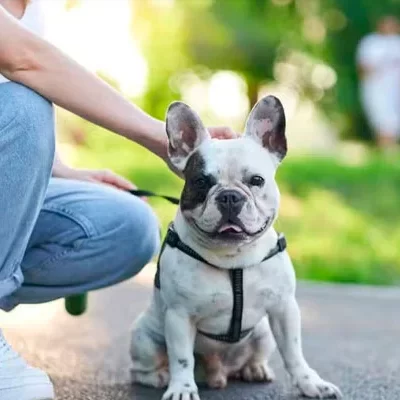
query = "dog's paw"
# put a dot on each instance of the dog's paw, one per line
(181, 391)
(311, 385)
(158, 379)
(217, 380)
(257, 372)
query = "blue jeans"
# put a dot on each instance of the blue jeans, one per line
(59, 237)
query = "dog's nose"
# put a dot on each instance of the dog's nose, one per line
(231, 201)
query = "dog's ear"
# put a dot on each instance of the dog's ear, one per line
(185, 132)
(266, 125)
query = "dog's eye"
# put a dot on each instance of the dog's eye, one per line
(256, 180)
(200, 182)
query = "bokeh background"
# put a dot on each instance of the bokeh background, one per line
(340, 197)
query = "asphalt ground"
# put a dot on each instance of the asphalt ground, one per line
(350, 336)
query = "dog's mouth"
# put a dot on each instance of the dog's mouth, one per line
(234, 230)
(230, 231)
(230, 228)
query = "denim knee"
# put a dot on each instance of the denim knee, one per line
(107, 236)
(33, 117)
(145, 233)
(87, 237)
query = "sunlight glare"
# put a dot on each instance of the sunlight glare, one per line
(97, 34)
(226, 94)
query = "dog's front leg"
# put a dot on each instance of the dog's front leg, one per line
(286, 326)
(180, 334)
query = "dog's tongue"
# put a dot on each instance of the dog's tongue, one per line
(230, 228)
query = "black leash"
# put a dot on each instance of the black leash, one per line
(148, 193)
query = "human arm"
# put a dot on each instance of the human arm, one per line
(364, 71)
(30, 60)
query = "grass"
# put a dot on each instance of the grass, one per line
(341, 220)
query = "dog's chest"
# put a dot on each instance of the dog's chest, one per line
(206, 292)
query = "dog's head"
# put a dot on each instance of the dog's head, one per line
(230, 193)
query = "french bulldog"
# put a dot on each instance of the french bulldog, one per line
(229, 203)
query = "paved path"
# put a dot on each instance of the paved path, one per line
(351, 336)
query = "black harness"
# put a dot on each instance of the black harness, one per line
(235, 332)
(172, 239)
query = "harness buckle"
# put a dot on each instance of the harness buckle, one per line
(172, 238)
(282, 244)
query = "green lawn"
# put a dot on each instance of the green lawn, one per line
(341, 221)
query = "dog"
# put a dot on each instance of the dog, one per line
(224, 293)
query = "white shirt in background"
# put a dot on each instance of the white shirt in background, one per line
(380, 87)
(381, 54)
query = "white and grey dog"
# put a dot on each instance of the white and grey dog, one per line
(228, 206)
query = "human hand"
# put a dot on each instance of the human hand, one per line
(222, 132)
(103, 176)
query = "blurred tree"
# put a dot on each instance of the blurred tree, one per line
(308, 45)
(158, 26)
(252, 36)
(244, 36)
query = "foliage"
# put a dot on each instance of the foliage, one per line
(345, 228)
(160, 31)
(253, 37)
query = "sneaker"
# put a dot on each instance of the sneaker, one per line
(18, 380)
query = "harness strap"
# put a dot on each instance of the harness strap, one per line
(235, 329)
(235, 332)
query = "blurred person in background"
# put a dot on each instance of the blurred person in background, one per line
(63, 231)
(378, 60)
